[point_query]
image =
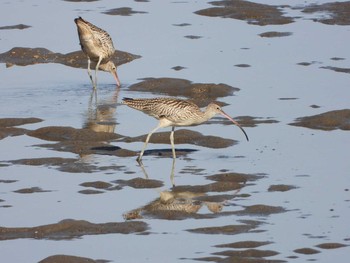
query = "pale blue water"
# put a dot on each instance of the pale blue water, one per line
(60, 95)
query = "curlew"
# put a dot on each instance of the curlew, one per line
(98, 47)
(174, 113)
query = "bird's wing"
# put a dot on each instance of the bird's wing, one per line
(175, 111)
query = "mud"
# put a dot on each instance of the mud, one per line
(271, 34)
(331, 120)
(123, 11)
(246, 227)
(68, 165)
(330, 245)
(280, 188)
(253, 13)
(245, 244)
(200, 93)
(19, 26)
(337, 69)
(306, 251)
(71, 229)
(139, 183)
(70, 259)
(31, 190)
(336, 13)
(22, 56)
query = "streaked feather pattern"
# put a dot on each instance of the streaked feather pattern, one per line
(175, 110)
(94, 39)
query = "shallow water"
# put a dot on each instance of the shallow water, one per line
(282, 79)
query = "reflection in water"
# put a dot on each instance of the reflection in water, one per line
(184, 201)
(100, 116)
(172, 180)
(176, 204)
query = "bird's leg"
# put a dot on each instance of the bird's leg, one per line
(172, 142)
(97, 66)
(145, 145)
(172, 174)
(89, 72)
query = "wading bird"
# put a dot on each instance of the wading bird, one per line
(98, 47)
(175, 112)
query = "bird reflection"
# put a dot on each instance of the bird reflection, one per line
(175, 204)
(100, 116)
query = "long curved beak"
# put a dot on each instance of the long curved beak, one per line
(115, 75)
(236, 123)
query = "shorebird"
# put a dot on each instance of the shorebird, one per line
(98, 47)
(174, 113)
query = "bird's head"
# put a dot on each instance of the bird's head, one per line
(111, 68)
(214, 109)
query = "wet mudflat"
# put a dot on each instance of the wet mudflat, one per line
(70, 187)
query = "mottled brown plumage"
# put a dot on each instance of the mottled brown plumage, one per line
(98, 47)
(175, 112)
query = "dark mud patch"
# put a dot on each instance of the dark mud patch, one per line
(305, 63)
(246, 227)
(100, 185)
(70, 259)
(123, 11)
(70, 229)
(248, 253)
(8, 132)
(271, 34)
(252, 13)
(87, 148)
(178, 68)
(335, 13)
(249, 121)
(80, 141)
(260, 210)
(337, 69)
(332, 120)
(182, 24)
(202, 94)
(235, 177)
(11, 122)
(212, 187)
(281, 188)
(69, 165)
(184, 136)
(192, 37)
(285, 98)
(31, 190)
(90, 192)
(58, 133)
(8, 181)
(331, 245)
(139, 183)
(306, 251)
(22, 56)
(245, 244)
(7, 126)
(243, 66)
(19, 26)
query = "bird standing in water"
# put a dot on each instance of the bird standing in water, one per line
(175, 112)
(98, 47)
